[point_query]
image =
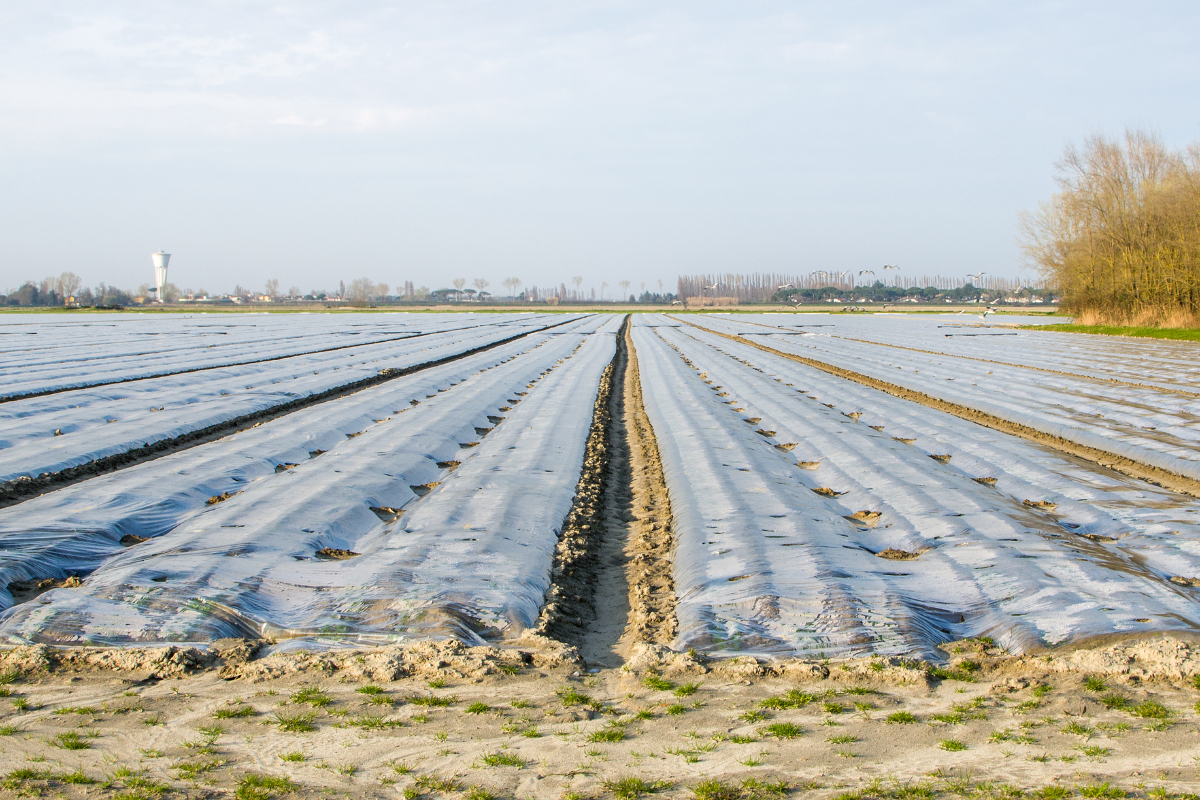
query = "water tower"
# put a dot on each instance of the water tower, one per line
(160, 260)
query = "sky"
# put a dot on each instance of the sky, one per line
(314, 142)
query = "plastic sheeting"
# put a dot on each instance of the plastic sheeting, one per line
(70, 531)
(1158, 362)
(1152, 527)
(55, 353)
(1154, 427)
(48, 434)
(469, 557)
(764, 564)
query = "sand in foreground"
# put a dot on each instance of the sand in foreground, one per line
(442, 719)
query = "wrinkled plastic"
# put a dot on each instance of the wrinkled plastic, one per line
(45, 435)
(70, 531)
(1154, 362)
(1145, 424)
(40, 353)
(469, 557)
(765, 565)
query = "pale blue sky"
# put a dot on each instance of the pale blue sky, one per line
(313, 142)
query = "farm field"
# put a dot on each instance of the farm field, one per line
(932, 513)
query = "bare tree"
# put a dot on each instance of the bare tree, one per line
(578, 279)
(360, 290)
(1120, 239)
(381, 291)
(603, 286)
(68, 284)
(272, 287)
(480, 284)
(459, 283)
(511, 284)
(624, 289)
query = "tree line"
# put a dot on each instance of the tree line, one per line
(66, 288)
(1121, 236)
(855, 286)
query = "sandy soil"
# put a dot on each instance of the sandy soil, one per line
(446, 720)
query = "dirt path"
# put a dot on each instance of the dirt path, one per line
(612, 573)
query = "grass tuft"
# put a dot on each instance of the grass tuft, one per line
(1150, 709)
(1113, 700)
(611, 734)
(657, 683)
(782, 730)
(632, 787)
(502, 759)
(230, 712)
(793, 698)
(263, 787)
(570, 696)
(313, 696)
(70, 740)
(296, 723)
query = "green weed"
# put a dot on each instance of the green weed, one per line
(263, 787)
(502, 759)
(432, 701)
(782, 730)
(70, 740)
(230, 712)
(657, 683)
(631, 787)
(312, 696)
(296, 723)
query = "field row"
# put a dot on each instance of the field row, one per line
(811, 515)
(45, 435)
(126, 348)
(1159, 426)
(815, 515)
(425, 518)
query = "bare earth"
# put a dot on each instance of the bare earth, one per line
(440, 719)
